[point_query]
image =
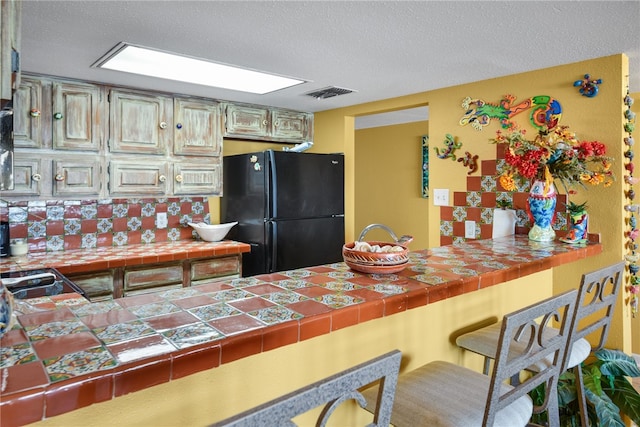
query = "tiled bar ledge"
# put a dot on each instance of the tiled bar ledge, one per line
(75, 353)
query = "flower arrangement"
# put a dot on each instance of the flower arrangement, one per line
(553, 154)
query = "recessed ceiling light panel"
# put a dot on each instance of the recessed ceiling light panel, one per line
(155, 63)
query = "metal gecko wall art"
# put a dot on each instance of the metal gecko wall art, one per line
(545, 111)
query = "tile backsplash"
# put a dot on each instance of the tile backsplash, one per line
(59, 225)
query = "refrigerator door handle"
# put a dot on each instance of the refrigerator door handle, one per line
(271, 187)
(273, 235)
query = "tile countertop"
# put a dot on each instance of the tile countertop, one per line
(69, 353)
(86, 260)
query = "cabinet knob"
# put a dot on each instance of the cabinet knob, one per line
(163, 125)
(59, 176)
(162, 178)
(178, 125)
(264, 122)
(179, 178)
(36, 177)
(276, 124)
(34, 112)
(57, 116)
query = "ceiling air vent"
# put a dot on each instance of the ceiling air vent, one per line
(328, 92)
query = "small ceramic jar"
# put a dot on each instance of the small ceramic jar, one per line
(19, 247)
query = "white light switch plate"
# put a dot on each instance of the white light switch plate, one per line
(440, 197)
(470, 229)
(161, 220)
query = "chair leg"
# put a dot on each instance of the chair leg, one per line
(487, 365)
(580, 394)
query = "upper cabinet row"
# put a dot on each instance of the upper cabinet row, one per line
(10, 11)
(81, 139)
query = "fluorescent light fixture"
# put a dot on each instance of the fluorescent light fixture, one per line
(151, 62)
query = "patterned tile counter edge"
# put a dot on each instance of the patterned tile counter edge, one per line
(69, 353)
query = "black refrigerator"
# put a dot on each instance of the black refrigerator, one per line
(289, 207)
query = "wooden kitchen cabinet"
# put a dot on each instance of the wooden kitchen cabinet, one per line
(60, 176)
(142, 279)
(138, 177)
(161, 277)
(99, 286)
(76, 175)
(27, 114)
(194, 178)
(198, 127)
(77, 113)
(10, 31)
(140, 123)
(214, 269)
(27, 175)
(157, 145)
(270, 124)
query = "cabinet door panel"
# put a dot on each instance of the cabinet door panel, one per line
(152, 277)
(216, 267)
(246, 121)
(197, 178)
(140, 123)
(27, 118)
(76, 117)
(289, 126)
(78, 176)
(98, 286)
(27, 176)
(197, 129)
(129, 178)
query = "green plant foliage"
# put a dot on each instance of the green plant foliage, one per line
(608, 391)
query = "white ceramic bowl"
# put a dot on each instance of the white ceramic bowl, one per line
(212, 233)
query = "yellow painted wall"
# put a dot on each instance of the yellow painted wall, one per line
(388, 182)
(423, 334)
(599, 118)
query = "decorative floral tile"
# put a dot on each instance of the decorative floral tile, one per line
(123, 331)
(292, 284)
(342, 275)
(55, 329)
(154, 309)
(79, 363)
(339, 286)
(231, 295)
(474, 199)
(275, 314)
(192, 335)
(338, 300)
(284, 297)
(16, 355)
(214, 311)
(55, 213)
(179, 293)
(89, 211)
(488, 183)
(459, 213)
(388, 289)
(446, 228)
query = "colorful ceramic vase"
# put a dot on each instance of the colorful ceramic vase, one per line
(578, 227)
(541, 206)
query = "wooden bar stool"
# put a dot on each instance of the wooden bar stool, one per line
(595, 304)
(444, 394)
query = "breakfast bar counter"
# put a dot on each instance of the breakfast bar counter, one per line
(226, 346)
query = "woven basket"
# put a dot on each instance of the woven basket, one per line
(375, 262)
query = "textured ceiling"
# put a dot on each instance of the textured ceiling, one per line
(379, 49)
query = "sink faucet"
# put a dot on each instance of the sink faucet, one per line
(402, 240)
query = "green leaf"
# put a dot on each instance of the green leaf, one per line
(625, 397)
(617, 363)
(608, 412)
